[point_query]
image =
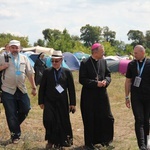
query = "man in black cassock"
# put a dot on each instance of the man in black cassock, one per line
(57, 98)
(98, 121)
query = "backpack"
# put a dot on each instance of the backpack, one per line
(2, 74)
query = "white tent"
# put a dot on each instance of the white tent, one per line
(39, 49)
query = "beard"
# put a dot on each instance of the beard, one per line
(15, 53)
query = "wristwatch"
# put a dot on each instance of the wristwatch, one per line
(127, 97)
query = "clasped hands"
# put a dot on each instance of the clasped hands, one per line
(101, 83)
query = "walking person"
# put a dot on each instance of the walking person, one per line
(137, 86)
(14, 93)
(39, 68)
(98, 120)
(57, 98)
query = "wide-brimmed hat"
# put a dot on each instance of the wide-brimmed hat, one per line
(14, 42)
(57, 54)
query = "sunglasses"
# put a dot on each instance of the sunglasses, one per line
(55, 61)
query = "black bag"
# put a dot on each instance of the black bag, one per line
(2, 75)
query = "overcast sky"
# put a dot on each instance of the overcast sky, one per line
(31, 17)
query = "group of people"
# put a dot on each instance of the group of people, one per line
(57, 96)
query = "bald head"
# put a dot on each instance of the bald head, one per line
(139, 52)
(139, 47)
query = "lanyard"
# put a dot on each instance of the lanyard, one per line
(57, 77)
(138, 68)
(17, 62)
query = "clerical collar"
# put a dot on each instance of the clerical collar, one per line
(94, 59)
(57, 68)
(141, 61)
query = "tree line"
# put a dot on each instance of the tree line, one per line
(62, 40)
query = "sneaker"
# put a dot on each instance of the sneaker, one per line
(16, 141)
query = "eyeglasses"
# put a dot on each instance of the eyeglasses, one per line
(55, 61)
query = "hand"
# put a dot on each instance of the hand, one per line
(42, 106)
(99, 84)
(5, 65)
(104, 83)
(128, 103)
(72, 108)
(34, 92)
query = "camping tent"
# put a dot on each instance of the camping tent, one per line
(39, 49)
(113, 65)
(80, 55)
(123, 65)
(72, 62)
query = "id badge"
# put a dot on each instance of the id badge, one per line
(59, 88)
(18, 72)
(137, 81)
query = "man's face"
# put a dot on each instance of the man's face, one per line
(14, 50)
(138, 54)
(100, 53)
(56, 62)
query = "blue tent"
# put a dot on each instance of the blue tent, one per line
(80, 55)
(72, 62)
(31, 61)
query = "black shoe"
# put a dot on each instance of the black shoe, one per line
(105, 144)
(143, 148)
(90, 147)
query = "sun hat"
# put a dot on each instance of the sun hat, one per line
(14, 42)
(57, 54)
(95, 45)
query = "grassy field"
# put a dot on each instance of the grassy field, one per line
(33, 132)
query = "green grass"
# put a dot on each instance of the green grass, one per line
(33, 130)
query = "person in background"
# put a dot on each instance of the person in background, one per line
(137, 85)
(6, 50)
(131, 56)
(98, 120)
(14, 93)
(39, 68)
(57, 98)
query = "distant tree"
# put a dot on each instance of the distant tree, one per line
(90, 34)
(40, 42)
(65, 42)
(137, 37)
(119, 47)
(109, 36)
(109, 50)
(5, 38)
(79, 47)
(51, 36)
(75, 38)
(128, 49)
(147, 38)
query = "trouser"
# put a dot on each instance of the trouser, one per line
(16, 108)
(141, 111)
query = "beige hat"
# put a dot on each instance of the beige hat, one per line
(14, 42)
(57, 54)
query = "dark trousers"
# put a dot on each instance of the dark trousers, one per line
(16, 108)
(141, 111)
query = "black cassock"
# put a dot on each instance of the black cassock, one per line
(39, 68)
(95, 107)
(56, 117)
